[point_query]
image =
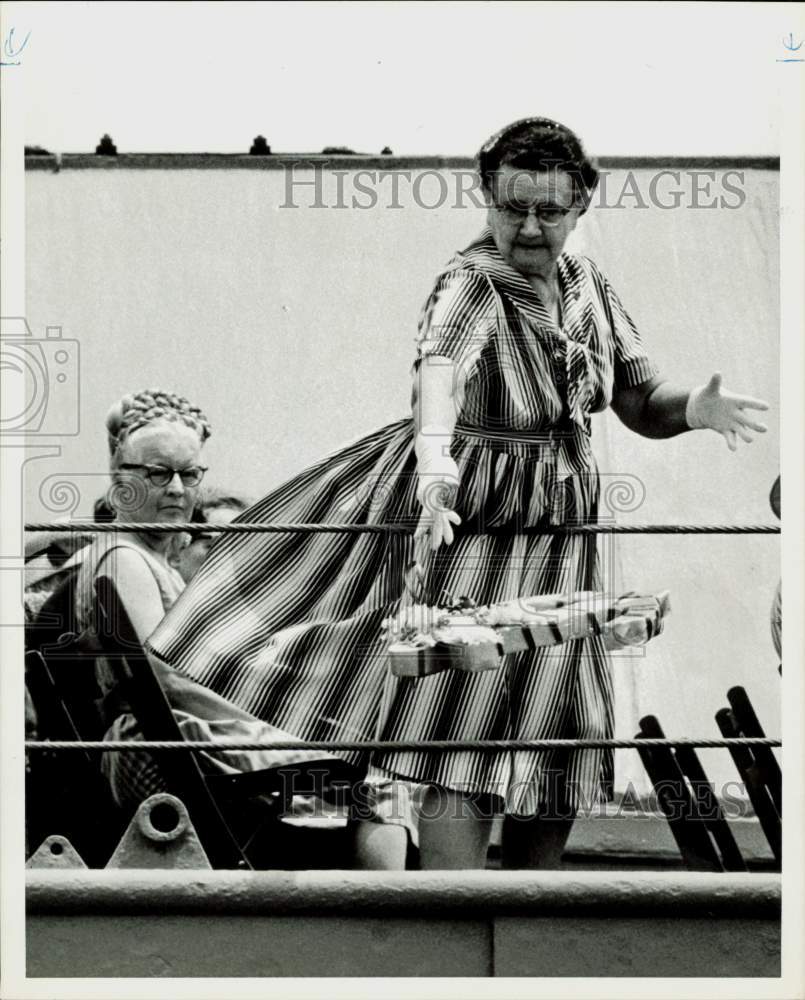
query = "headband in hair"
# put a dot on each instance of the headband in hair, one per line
(546, 123)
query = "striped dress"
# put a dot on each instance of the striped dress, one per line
(289, 626)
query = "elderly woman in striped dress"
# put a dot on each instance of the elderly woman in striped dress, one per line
(519, 344)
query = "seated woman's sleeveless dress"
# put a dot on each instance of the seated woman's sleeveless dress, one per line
(289, 626)
(132, 777)
(199, 713)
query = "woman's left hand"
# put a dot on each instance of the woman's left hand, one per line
(722, 411)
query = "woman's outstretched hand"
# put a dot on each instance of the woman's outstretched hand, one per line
(713, 407)
(439, 524)
(437, 487)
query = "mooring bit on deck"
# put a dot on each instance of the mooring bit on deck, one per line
(55, 852)
(160, 835)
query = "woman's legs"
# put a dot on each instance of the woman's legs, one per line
(454, 829)
(534, 841)
(538, 841)
(382, 816)
(379, 846)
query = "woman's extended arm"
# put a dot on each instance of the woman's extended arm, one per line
(657, 409)
(435, 406)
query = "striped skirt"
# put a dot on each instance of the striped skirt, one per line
(289, 626)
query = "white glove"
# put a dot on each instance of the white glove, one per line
(438, 484)
(709, 406)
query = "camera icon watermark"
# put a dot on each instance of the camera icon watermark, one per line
(41, 381)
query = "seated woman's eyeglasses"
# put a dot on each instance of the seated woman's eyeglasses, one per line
(547, 215)
(159, 475)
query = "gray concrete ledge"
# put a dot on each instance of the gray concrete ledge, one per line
(299, 161)
(465, 894)
(425, 924)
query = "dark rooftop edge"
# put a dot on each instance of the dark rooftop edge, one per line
(280, 161)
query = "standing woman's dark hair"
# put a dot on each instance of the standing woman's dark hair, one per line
(539, 144)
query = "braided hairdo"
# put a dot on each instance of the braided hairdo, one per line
(142, 408)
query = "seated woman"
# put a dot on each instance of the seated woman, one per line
(155, 446)
(155, 442)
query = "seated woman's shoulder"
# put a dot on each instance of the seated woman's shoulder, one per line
(125, 562)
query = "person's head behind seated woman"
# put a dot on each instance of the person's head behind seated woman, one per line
(192, 548)
(155, 440)
(537, 181)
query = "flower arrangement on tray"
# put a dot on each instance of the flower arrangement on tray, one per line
(461, 635)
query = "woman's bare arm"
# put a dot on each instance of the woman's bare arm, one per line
(138, 589)
(655, 409)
